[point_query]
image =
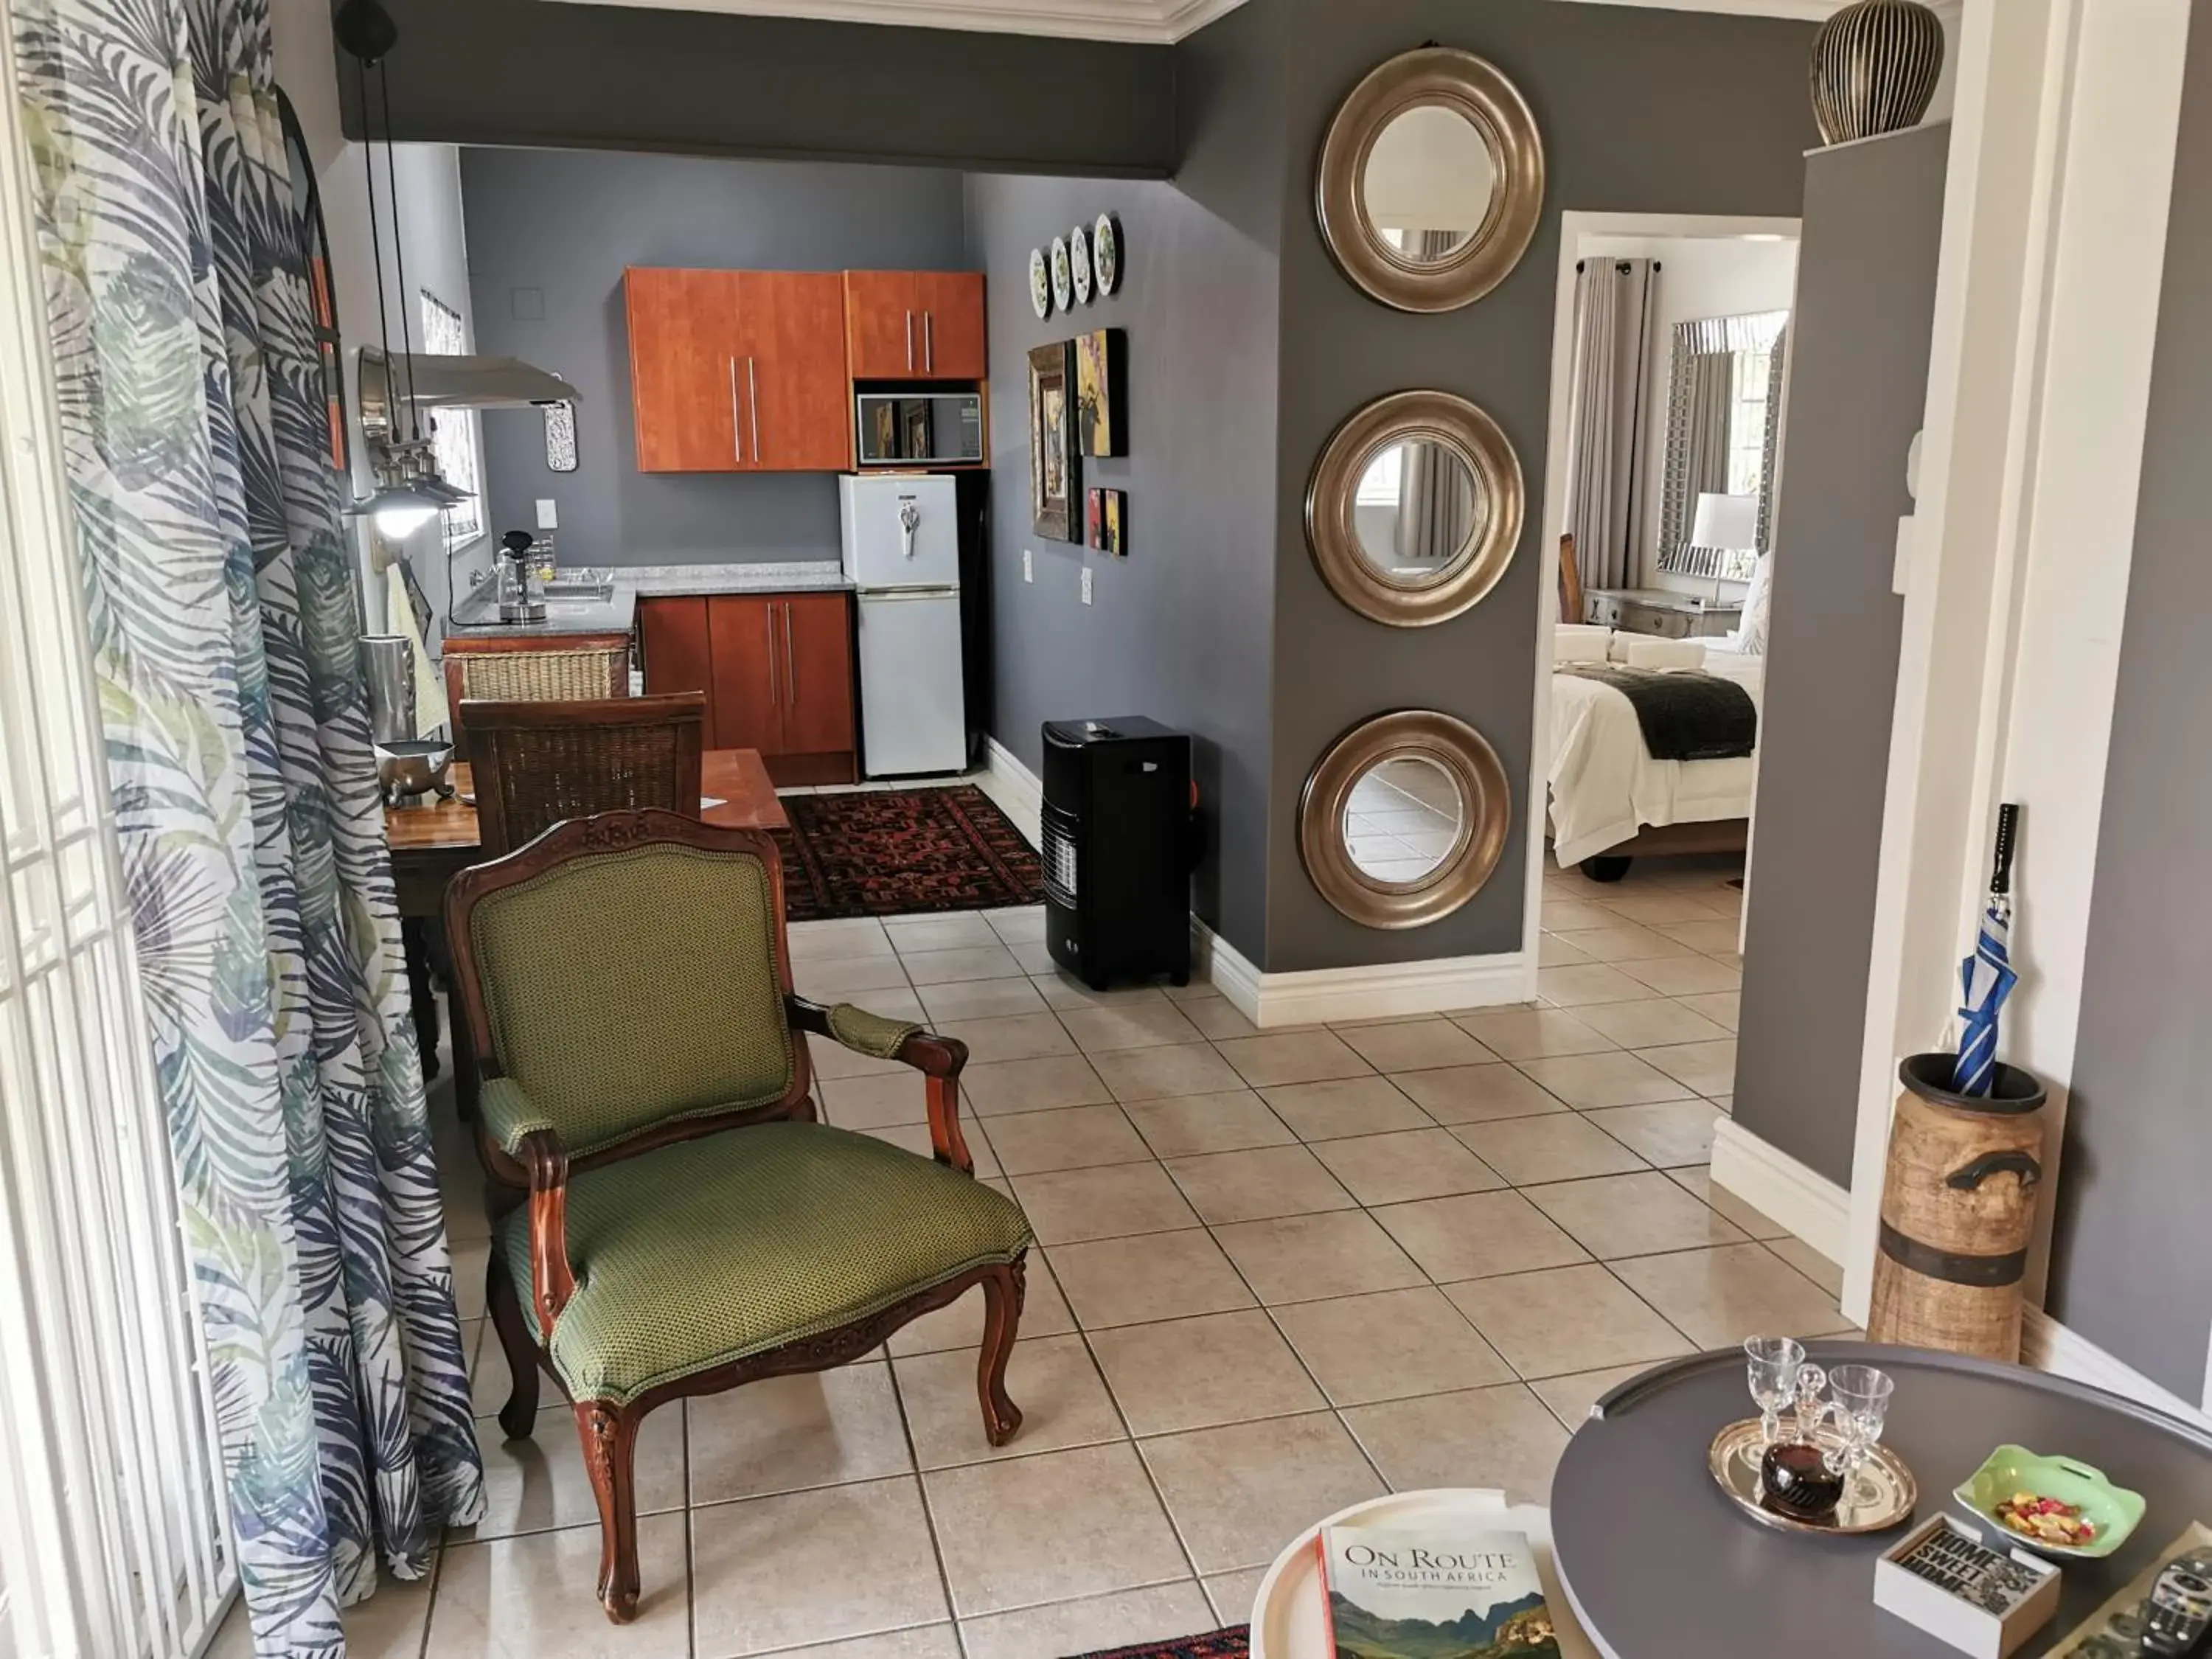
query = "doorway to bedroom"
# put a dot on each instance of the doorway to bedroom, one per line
(1670, 367)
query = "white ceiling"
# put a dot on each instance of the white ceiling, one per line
(1156, 20)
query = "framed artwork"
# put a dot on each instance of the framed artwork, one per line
(915, 417)
(1095, 521)
(1053, 460)
(1117, 523)
(1102, 395)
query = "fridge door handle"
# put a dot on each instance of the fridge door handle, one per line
(907, 595)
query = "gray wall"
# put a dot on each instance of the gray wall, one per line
(1608, 86)
(1179, 630)
(562, 225)
(2127, 1268)
(522, 72)
(1858, 386)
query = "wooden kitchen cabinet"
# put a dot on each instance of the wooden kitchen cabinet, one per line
(683, 369)
(797, 392)
(672, 633)
(819, 723)
(953, 332)
(777, 670)
(915, 325)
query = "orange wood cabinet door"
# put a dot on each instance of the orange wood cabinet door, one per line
(818, 674)
(796, 393)
(678, 654)
(683, 369)
(746, 641)
(883, 325)
(953, 328)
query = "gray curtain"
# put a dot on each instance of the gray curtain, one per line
(1609, 414)
(1436, 504)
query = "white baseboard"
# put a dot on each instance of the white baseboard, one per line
(1780, 1188)
(1381, 992)
(1018, 791)
(2050, 1347)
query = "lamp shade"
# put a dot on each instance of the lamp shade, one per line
(1729, 523)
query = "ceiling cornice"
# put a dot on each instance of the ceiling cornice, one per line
(1156, 22)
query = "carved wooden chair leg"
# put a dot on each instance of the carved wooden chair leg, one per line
(519, 1415)
(609, 1435)
(1003, 1293)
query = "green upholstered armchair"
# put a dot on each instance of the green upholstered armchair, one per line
(665, 1207)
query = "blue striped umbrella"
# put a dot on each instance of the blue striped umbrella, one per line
(1988, 974)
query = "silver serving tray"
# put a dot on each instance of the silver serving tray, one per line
(1878, 1496)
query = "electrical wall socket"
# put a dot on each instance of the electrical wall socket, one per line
(1086, 584)
(1029, 565)
(548, 518)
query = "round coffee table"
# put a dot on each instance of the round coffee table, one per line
(1657, 1563)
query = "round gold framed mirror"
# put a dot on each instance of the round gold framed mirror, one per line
(1403, 819)
(1431, 181)
(1414, 510)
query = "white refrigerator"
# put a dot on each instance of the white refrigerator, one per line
(902, 547)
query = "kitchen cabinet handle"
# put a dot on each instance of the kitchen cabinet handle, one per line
(753, 390)
(774, 686)
(909, 343)
(736, 423)
(929, 342)
(790, 662)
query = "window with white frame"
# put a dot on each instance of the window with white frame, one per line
(457, 434)
(1746, 460)
(1382, 484)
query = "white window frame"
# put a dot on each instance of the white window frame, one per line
(457, 434)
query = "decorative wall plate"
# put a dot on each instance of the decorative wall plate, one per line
(1040, 284)
(1079, 258)
(1063, 274)
(1106, 253)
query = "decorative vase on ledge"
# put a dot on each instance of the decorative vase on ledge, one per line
(1875, 64)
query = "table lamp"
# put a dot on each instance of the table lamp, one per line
(1729, 524)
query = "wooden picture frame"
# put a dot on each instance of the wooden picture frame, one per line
(1102, 398)
(1055, 461)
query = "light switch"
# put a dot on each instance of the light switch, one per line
(1029, 565)
(548, 517)
(1086, 584)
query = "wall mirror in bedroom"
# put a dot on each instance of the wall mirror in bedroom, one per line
(1431, 181)
(1415, 507)
(1403, 819)
(1723, 434)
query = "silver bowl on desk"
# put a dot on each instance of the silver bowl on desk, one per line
(409, 770)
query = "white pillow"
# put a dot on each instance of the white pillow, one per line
(1580, 644)
(1663, 653)
(1758, 608)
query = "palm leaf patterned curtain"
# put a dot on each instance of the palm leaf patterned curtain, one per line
(224, 617)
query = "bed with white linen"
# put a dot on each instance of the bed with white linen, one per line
(1610, 796)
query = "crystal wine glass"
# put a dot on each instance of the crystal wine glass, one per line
(1772, 1363)
(1861, 1408)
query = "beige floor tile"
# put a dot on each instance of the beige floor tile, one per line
(1062, 990)
(1654, 909)
(391, 1625)
(1070, 1207)
(1478, 1235)
(1553, 951)
(1063, 1402)
(1196, 1373)
(531, 1598)
(1304, 1258)
(915, 1642)
(1218, 1017)
(540, 1485)
(759, 1581)
(1397, 1169)
(1566, 1320)
(1233, 1595)
(1732, 1208)
(1044, 1313)
(787, 1433)
(1158, 1612)
(847, 979)
(1035, 957)
(1023, 925)
(1624, 942)
(1190, 1128)
(1080, 1137)
(1559, 1147)
(882, 1101)
(1389, 1346)
(1150, 1024)
(1169, 1073)
(1648, 1023)
(1673, 1135)
(1051, 1528)
(1240, 1493)
(1415, 1046)
(470, 1260)
(1564, 915)
(1016, 1036)
(1503, 1437)
(1340, 1109)
(1711, 936)
(1686, 976)
(967, 930)
(1589, 1082)
(1519, 1034)
(916, 1138)
(992, 961)
(1707, 1067)
(1827, 1274)
(1256, 1185)
(1135, 1281)
(1718, 1298)
(980, 999)
(1723, 1008)
(1570, 1398)
(1477, 1094)
(1617, 1216)
(1282, 1057)
(827, 941)
(1586, 984)
(997, 1088)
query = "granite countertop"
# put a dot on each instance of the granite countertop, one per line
(476, 616)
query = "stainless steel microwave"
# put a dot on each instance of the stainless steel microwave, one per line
(939, 429)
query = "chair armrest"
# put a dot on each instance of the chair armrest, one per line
(938, 1058)
(552, 1280)
(508, 1115)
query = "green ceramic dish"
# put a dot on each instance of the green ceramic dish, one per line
(2115, 1511)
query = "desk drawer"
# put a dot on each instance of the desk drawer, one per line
(1648, 619)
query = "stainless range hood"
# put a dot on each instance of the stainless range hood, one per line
(439, 382)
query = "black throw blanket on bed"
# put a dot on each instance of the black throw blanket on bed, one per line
(1687, 714)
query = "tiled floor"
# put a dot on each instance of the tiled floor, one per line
(1279, 1274)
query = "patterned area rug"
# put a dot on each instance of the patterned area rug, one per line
(1222, 1644)
(904, 851)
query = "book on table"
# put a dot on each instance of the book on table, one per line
(1398, 1593)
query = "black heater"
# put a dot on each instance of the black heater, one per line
(1116, 825)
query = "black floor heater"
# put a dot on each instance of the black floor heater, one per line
(1117, 829)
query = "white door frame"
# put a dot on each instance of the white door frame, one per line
(1577, 229)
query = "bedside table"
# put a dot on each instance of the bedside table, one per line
(1664, 615)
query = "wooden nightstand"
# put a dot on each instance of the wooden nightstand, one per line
(1661, 614)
